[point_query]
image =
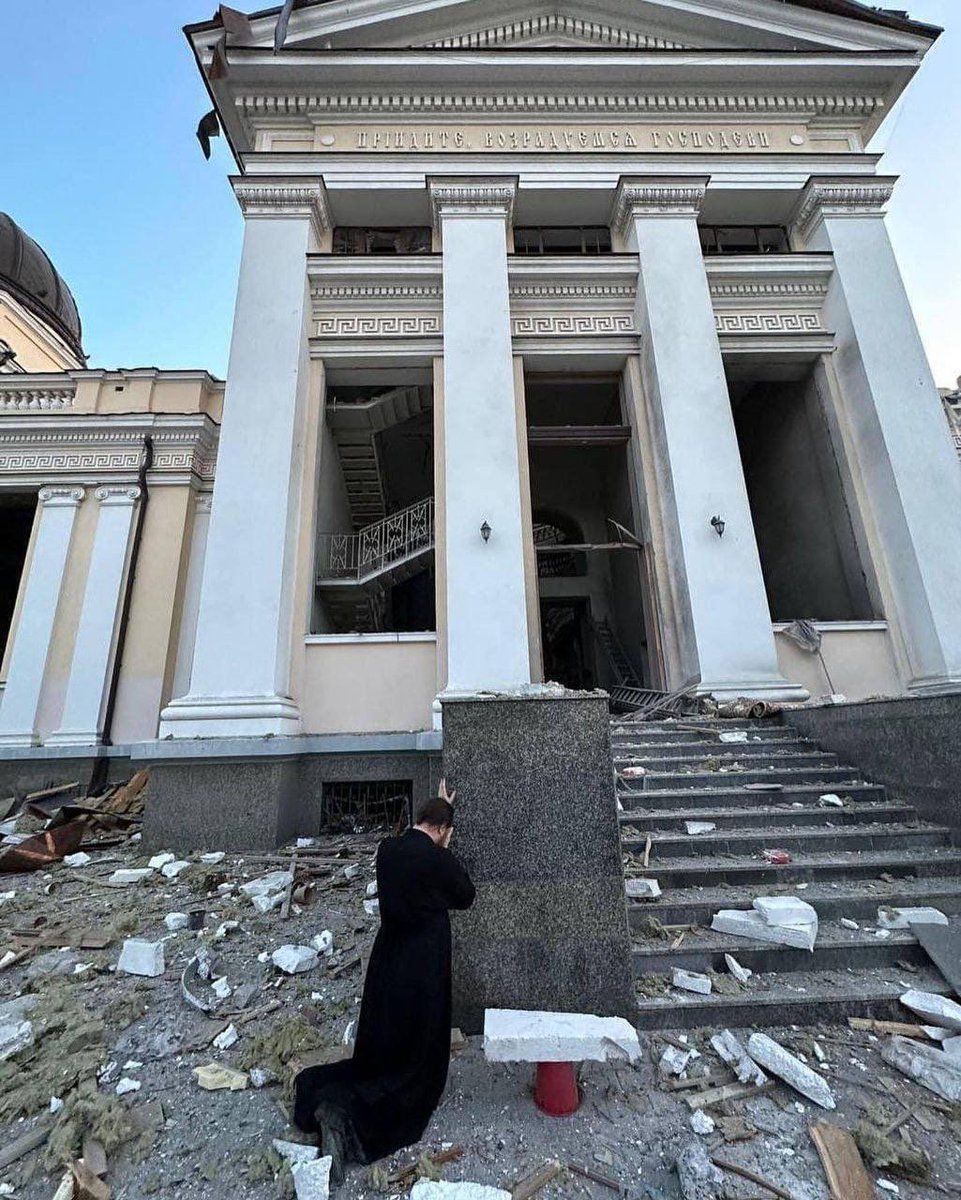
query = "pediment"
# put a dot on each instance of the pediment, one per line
(647, 25)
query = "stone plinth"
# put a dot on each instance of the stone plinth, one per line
(537, 828)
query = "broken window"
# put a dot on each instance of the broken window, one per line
(744, 239)
(569, 239)
(359, 239)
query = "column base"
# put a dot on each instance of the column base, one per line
(74, 737)
(19, 739)
(780, 690)
(230, 716)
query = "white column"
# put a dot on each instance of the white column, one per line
(93, 650)
(28, 660)
(893, 422)
(240, 678)
(487, 640)
(724, 622)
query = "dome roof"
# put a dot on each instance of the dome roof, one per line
(32, 278)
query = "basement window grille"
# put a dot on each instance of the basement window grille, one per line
(357, 806)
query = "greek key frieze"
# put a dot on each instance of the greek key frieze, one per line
(571, 324)
(768, 322)
(379, 325)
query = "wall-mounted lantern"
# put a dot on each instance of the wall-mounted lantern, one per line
(718, 525)
(485, 532)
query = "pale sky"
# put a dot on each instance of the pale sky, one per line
(98, 163)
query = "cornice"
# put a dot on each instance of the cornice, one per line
(554, 25)
(842, 197)
(277, 196)
(670, 196)
(472, 196)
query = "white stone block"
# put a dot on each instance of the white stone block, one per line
(15, 1035)
(734, 736)
(952, 1047)
(515, 1035)
(829, 800)
(323, 943)
(160, 860)
(312, 1179)
(172, 869)
(352, 870)
(701, 1123)
(768, 1054)
(221, 988)
(927, 1065)
(140, 957)
(268, 902)
(691, 981)
(741, 974)
(80, 859)
(126, 1085)
(131, 875)
(176, 920)
(847, 923)
(785, 910)
(696, 827)
(372, 889)
(934, 1009)
(749, 924)
(727, 1046)
(212, 857)
(674, 1061)
(429, 1189)
(372, 908)
(904, 918)
(226, 1038)
(295, 1152)
(642, 889)
(275, 881)
(294, 960)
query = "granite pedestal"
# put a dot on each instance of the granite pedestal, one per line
(536, 826)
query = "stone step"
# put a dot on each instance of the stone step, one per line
(857, 899)
(715, 723)
(741, 842)
(723, 761)
(664, 819)
(831, 776)
(647, 736)
(769, 747)
(800, 998)
(718, 797)
(828, 864)
(836, 949)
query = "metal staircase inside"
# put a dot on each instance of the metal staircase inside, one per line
(625, 675)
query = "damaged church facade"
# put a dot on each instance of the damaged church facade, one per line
(569, 346)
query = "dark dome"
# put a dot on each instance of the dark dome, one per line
(33, 280)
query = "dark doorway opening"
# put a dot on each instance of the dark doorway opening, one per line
(565, 641)
(16, 523)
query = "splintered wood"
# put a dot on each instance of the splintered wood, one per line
(847, 1178)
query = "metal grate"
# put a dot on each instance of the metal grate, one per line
(353, 806)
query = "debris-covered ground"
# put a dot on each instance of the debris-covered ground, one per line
(101, 1063)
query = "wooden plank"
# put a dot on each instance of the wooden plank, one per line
(942, 944)
(899, 1028)
(841, 1159)
(752, 1177)
(729, 1091)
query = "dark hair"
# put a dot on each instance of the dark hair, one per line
(434, 811)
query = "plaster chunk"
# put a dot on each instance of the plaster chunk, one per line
(927, 1065)
(172, 869)
(934, 1009)
(674, 1061)
(295, 1152)
(227, 1038)
(515, 1035)
(701, 1123)
(429, 1189)
(294, 960)
(212, 857)
(323, 943)
(785, 910)
(741, 974)
(734, 736)
(15, 1036)
(952, 1047)
(130, 875)
(696, 827)
(904, 918)
(768, 1054)
(642, 889)
(268, 902)
(160, 860)
(698, 1176)
(312, 1180)
(691, 981)
(176, 920)
(727, 1046)
(275, 881)
(750, 924)
(139, 957)
(372, 908)
(80, 859)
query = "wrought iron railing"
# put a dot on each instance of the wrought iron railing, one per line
(378, 546)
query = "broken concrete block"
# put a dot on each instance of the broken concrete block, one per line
(829, 800)
(294, 960)
(261, 1076)
(768, 1054)
(275, 881)
(934, 1009)
(904, 918)
(741, 974)
(172, 869)
(372, 908)
(372, 889)
(312, 1179)
(268, 901)
(642, 889)
(295, 1152)
(212, 857)
(430, 1189)
(698, 1176)
(139, 957)
(785, 910)
(847, 923)
(516, 1035)
(952, 1047)
(176, 920)
(221, 988)
(927, 1065)
(130, 875)
(674, 1061)
(226, 1038)
(160, 860)
(352, 870)
(126, 1085)
(696, 827)
(750, 924)
(15, 1036)
(734, 736)
(727, 1046)
(701, 1123)
(691, 981)
(213, 1077)
(80, 859)
(323, 943)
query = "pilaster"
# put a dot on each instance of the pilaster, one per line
(41, 595)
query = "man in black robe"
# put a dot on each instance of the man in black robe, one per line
(382, 1099)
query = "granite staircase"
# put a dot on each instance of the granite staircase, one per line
(764, 794)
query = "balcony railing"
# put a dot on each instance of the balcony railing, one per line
(355, 556)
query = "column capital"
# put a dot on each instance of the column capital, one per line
(472, 196)
(283, 196)
(119, 494)
(841, 196)
(657, 196)
(61, 497)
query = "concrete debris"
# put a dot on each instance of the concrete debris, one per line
(847, 923)
(15, 1035)
(295, 1152)
(674, 1061)
(268, 901)
(312, 1179)
(748, 923)
(323, 943)
(160, 860)
(696, 827)
(701, 1123)
(80, 859)
(172, 869)
(883, 934)
(372, 889)
(934, 1009)
(348, 1038)
(887, 1186)
(294, 960)
(927, 1065)
(260, 1077)
(372, 908)
(768, 1054)
(514, 1035)
(952, 1046)
(140, 957)
(213, 1077)
(785, 910)
(741, 974)
(267, 885)
(126, 1085)
(130, 875)
(433, 1189)
(351, 871)
(690, 981)
(904, 918)
(212, 857)
(226, 1038)
(221, 988)
(642, 889)
(176, 921)
(727, 1046)
(734, 736)
(698, 1176)
(829, 800)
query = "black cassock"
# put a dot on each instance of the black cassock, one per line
(383, 1097)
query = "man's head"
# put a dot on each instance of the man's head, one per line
(435, 817)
